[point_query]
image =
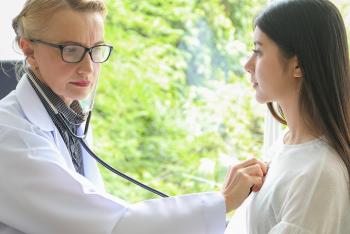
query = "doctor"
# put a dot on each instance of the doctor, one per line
(48, 182)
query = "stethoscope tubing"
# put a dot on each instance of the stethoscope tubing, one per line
(81, 139)
(119, 173)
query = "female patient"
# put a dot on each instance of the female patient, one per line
(301, 64)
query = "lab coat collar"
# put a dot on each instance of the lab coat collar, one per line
(32, 105)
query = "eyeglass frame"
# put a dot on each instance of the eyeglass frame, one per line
(86, 49)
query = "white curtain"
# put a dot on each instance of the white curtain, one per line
(8, 10)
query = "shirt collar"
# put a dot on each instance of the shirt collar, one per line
(73, 113)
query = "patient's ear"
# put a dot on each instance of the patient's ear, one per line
(297, 72)
(28, 49)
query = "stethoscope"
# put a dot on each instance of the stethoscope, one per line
(81, 138)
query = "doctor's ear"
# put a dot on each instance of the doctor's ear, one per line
(28, 50)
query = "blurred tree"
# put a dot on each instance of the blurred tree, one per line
(174, 106)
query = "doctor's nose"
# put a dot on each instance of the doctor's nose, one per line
(86, 66)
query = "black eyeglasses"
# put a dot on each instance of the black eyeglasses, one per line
(71, 53)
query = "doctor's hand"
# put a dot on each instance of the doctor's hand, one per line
(241, 179)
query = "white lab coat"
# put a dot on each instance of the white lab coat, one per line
(42, 194)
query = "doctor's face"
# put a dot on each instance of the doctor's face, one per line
(272, 75)
(71, 81)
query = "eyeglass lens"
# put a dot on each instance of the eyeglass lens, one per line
(75, 53)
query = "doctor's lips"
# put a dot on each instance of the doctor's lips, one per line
(81, 83)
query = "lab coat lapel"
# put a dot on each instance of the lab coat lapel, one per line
(36, 113)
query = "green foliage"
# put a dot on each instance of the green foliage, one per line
(174, 106)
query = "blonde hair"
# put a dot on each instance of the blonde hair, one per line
(32, 20)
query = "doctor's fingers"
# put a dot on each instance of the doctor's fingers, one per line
(237, 188)
(253, 161)
(258, 183)
(251, 167)
(253, 170)
(257, 174)
(250, 176)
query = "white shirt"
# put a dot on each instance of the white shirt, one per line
(305, 191)
(42, 194)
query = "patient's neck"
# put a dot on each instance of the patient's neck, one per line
(299, 131)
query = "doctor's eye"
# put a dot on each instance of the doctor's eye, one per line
(73, 49)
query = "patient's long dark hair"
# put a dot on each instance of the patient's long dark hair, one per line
(314, 32)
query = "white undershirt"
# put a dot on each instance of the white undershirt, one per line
(305, 191)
